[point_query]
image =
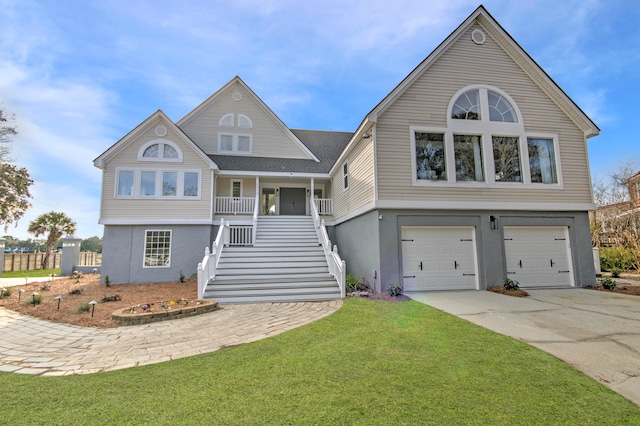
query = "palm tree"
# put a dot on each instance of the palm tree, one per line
(55, 224)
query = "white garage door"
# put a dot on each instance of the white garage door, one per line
(538, 256)
(439, 258)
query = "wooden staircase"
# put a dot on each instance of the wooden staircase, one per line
(285, 264)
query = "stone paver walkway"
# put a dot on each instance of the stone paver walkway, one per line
(32, 346)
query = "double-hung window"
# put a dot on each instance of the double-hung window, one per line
(345, 176)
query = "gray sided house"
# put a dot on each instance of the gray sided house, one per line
(473, 169)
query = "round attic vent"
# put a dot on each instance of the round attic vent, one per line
(237, 96)
(478, 37)
(161, 131)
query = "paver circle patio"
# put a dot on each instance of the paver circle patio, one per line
(32, 346)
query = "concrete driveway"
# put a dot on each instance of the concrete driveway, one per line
(596, 332)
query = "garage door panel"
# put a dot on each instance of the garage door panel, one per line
(447, 256)
(538, 256)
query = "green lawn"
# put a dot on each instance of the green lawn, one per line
(31, 274)
(370, 363)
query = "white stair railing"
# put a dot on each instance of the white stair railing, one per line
(324, 206)
(207, 268)
(337, 266)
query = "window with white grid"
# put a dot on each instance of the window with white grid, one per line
(157, 249)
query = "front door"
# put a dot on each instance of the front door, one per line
(293, 201)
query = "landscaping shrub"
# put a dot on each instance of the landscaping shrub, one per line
(5, 292)
(76, 275)
(608, 284)
(395, 289)
(33, 300)
(510, 284)
(615, 273)
(84, 307)
(107, 281)
(354, 283)
(620, 258)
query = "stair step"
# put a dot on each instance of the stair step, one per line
(275, 298)
(285, 264)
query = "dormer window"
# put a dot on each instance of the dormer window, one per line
(160, 150)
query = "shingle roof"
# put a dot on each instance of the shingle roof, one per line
(327, 146)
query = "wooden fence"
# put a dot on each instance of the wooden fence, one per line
(33, 261)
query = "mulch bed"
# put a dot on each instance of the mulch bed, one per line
(379, 296)
(89, 289)
(514, 293)
(633, 290)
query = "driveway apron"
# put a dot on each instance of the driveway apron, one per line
(596, 332)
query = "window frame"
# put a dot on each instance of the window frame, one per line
(345, 176)
(144, 248)
(160, 157)
(240, 181)
(159, 173)
(235, 137)
(486, 129)
(133, 184)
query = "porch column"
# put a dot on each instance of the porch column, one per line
(311, 197)
(258, 193)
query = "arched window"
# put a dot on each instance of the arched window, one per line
(244, 121)
(160, 150)
(484, 143)
(467, 106)
(500, 109)
(226, 120)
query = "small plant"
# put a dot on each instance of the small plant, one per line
(107, 281)
(84, 307)
(395, 289)
(45, 287)
(608, 284)
(181, 277)
(76, 275)
(5, 292)
(510, 284)
(615, 272)
(352, 282)
(35, 299)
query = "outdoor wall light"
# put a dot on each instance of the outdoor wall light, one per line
(308, 192)
(493, 221)
(277, 192)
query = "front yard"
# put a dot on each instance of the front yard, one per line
(372, 362)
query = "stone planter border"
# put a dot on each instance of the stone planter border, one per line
(122, 317)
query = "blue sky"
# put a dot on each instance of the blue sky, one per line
(78, 75)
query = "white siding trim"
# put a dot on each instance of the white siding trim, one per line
(488, 205)
(169, 221)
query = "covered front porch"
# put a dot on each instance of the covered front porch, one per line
(270, 196)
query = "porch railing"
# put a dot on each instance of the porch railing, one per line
(337, 266)
(207, 268)
(235, 205)
(324, 206)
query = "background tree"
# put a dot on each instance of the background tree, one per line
(14, 181)
(93, 244)
(54, 225)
